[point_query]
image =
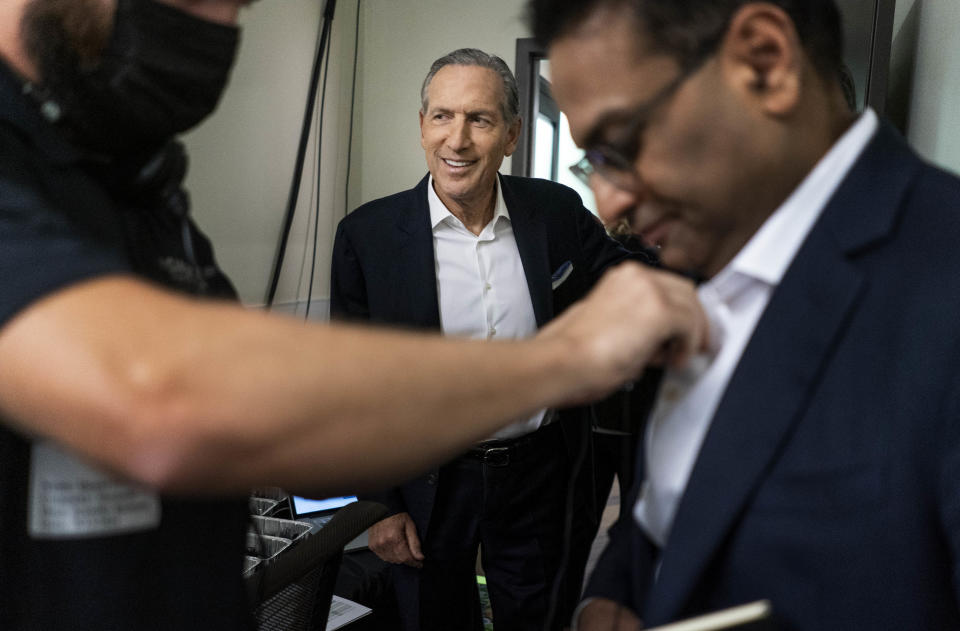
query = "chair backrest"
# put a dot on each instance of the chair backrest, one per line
(293, 590)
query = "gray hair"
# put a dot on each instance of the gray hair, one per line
(474, 57)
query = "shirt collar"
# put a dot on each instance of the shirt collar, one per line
(440, 214)
(768, 254)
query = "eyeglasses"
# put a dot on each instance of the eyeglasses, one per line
(614, 160)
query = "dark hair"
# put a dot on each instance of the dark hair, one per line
(690, 30)
(510, 105)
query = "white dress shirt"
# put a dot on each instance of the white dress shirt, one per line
(734, 300)
(481, 286)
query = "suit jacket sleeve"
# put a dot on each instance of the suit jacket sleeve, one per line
(600, 251)
(348, 301)
(348, 290)
(948, 476)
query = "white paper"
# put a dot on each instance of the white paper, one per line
(343, 612)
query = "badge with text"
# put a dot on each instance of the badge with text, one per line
(69, 499)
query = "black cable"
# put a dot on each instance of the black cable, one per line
(316, 220)
(314, 192)
(302, 149)
(353, 100)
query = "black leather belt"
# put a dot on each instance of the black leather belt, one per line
(499, 453)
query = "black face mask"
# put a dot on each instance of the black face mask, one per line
(162, 72)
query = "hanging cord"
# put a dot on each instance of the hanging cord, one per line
(353, 100)
(316, 218)
(314, 191)
(302, 149)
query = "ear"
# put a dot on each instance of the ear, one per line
(423, 142)
(762, 52)
(513, 137)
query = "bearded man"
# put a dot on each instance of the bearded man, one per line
(137, 405)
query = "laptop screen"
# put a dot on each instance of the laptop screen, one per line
(305, 507)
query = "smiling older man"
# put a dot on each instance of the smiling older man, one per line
(481, 255)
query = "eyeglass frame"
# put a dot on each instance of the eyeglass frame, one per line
(614, 161)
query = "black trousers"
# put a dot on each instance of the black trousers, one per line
(512, 507)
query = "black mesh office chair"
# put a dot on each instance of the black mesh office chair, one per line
(293, 591)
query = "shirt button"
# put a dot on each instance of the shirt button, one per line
(487, 287)
(493, 332)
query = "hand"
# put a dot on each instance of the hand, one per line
(635, 316)
(602, 614)
(395, 540)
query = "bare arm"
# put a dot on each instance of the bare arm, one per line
(601, 614)
(191, 395)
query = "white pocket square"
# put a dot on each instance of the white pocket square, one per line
(562, 273)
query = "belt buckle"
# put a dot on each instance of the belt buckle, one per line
(496, 456)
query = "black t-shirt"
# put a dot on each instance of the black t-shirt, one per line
(80, 549)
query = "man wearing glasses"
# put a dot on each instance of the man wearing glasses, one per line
(812, 456)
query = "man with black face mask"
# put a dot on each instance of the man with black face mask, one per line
(158, 74)
(125, 405)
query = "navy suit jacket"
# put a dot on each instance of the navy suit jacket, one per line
(384, 271)
(829, 480)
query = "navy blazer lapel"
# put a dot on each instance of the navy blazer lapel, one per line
(530, 232)
(415, 267)
(778, 371)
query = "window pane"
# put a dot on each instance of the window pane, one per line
(543, 148)
(570, 154)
